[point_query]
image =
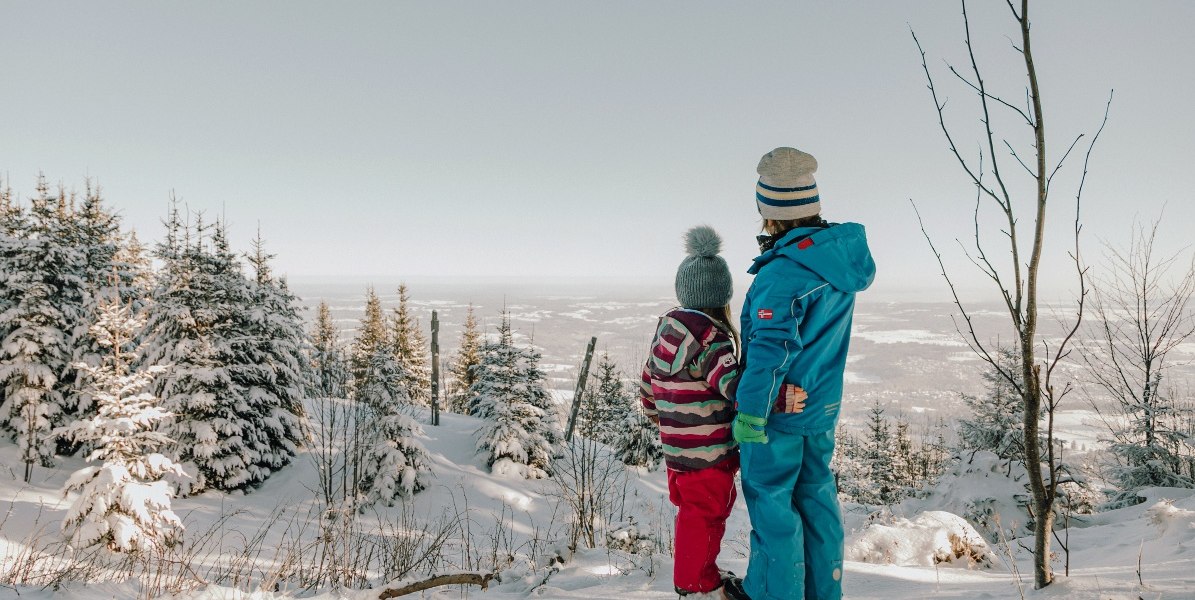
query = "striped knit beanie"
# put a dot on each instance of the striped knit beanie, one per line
(703, 279)
(786, 189)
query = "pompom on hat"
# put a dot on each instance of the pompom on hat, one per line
(703, 279)
(786, 189)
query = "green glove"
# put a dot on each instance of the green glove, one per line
(748, 429)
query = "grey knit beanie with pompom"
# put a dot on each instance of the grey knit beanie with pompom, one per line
(703, 279)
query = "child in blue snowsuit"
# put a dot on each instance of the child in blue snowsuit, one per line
(796, 326)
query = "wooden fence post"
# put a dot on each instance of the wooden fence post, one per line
(435, 369)
(572, 418)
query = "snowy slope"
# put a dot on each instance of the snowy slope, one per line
(525, 519)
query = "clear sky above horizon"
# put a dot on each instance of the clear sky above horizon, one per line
(544, 139)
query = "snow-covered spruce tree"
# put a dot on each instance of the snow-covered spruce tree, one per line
(329, 366)
(411, 350)
(112, 264)
(192, 326)
(881, 485)
(371, 336)
(271, 367)
(903, 458)
(461, 371)
(849, 472)
(35, 352)
(522, 430)
(123, 503)
(606, 405)
(395, 464)
(997, 423)
(638, 443)
(13, 226)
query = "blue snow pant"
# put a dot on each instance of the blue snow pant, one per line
(796, 526)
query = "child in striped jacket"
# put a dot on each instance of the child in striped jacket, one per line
(687, 388)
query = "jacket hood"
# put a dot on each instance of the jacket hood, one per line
(838, 254)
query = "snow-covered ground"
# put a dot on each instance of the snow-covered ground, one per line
(526, 520)
(906, 356)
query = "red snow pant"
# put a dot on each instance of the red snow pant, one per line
(704, 499)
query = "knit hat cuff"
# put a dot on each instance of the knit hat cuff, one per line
(786, 203)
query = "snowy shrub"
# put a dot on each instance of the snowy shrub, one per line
(593, 484)
(628, 538)
(931, 538)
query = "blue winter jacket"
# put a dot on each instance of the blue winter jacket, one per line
(796, 323)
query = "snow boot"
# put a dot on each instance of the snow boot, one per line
(732, 589)
(718, 594)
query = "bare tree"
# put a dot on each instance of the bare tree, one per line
(1141, 315)
(1017, 282)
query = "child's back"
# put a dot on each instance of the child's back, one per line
(689, 382)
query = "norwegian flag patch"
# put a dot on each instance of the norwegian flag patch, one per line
(764, 314)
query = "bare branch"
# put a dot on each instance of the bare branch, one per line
(940, 106)
(1013, 151)
(1062, 160)
(991, 96)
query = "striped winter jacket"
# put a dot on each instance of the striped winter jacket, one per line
(689, 382)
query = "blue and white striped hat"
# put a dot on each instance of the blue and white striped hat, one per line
(786, 189)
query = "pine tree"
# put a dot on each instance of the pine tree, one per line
(122, 503)
(330, 377)
(639, 442)
(903, 459)
(877, 460)
(110, 266)
(522, 431)
(997, 425)
(69, 237)
(606, 405)
(272, 369)
(41, 299)
(411, 350)
(371, 336)
(462, 370)
(395, 464)
(14, 224)
(849, 471)
(193, 325)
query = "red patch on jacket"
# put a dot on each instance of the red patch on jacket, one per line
(805, 243)
(764, 313)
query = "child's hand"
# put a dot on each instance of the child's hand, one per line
(792, 399)
(654, 419)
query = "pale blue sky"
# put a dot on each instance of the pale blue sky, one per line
(546, 139)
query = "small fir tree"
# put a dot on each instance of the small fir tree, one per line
(606, 405)
(462, 371)
(638, 444)
(996, 424)
(522, 430)
(371, 336)
(123, 503)
(395, 464)
(330, 373)
(410, 349)
(876, 457)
